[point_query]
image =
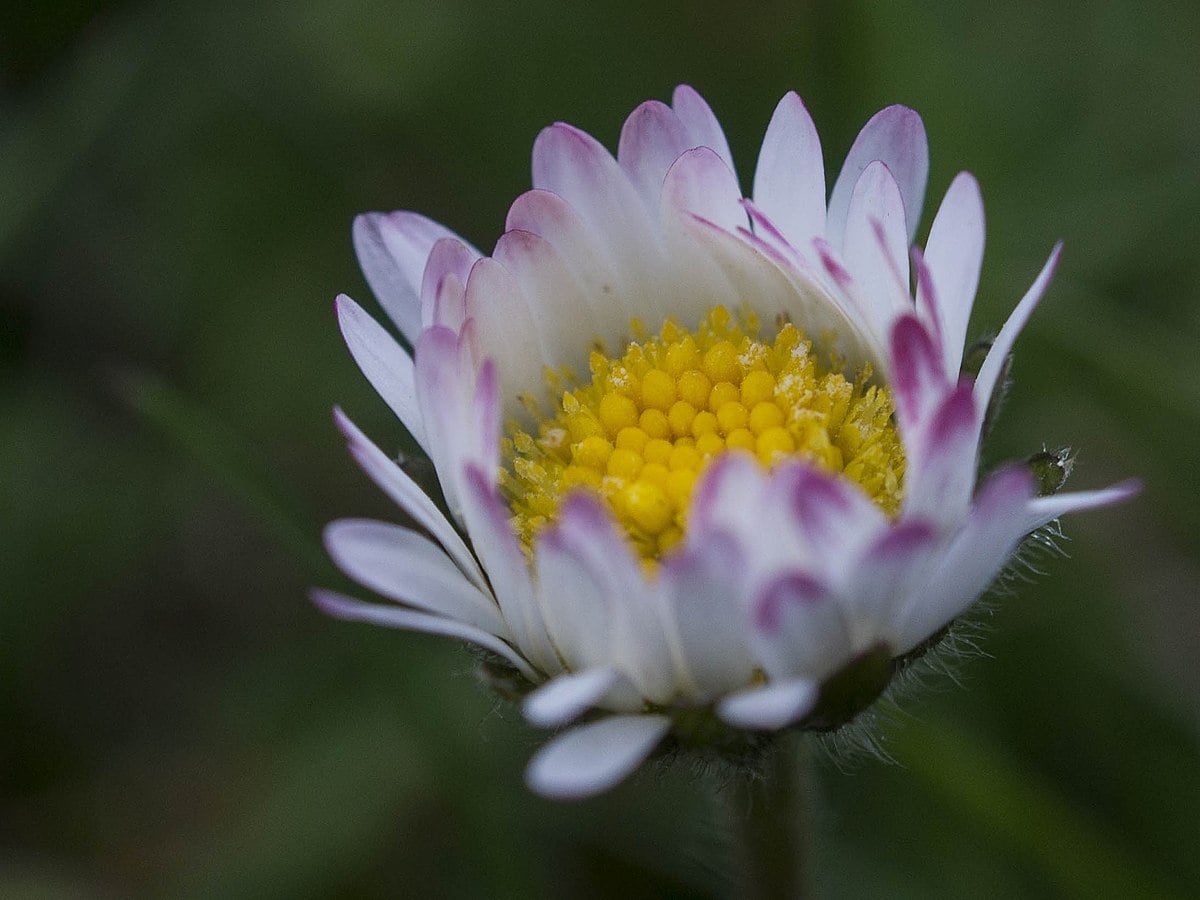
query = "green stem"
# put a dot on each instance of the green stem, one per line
(767, 813)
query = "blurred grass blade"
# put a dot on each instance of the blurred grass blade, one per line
(1026, 814)
(227, 458)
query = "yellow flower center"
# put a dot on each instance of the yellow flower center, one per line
(647, 424)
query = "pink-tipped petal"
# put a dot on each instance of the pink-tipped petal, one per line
(592, 758)
(446, 271)
(1003, 344)
(392, 249)
(565, 698)
(572, 164)
(703, 128)
(918, 378)
(409, 497)
(973, 559)
(823, 520)
(771, 707)
(352, 610)
(405, 567)
(699, 182)
(798, 628)
(896, 137)
(875, 246)
(651, 140)
(789, 180)
(954, 255)
(886, 573)
(942, 459)
(387, 366)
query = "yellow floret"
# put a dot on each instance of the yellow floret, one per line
(721, 362)
(658, 390)
(643, 431)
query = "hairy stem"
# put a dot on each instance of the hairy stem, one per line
(767, 814)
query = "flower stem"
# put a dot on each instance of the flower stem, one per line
(767, 812)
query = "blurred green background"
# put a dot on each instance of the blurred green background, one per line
(177, 183)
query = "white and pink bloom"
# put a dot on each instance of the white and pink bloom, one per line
(782, 555)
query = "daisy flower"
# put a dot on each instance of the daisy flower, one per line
(708, 465)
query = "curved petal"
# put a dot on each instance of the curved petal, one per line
(973, 559)
(799, 629)
(612, 577)
(343, 607)
(592, 758)
(954, 255)
(699, 182)
(770, 707)
(896, 137)
(875, 246)
(652, 138)
(387, 366)
(446, 270)
(392, 250)
(789, 180)
(918, 379)
(702, 587)
(1042, 510)
(703, 128)
(405, 567)
(889, 570)
(408, 496)
(487, 522)
(566, 697)
(942, 459)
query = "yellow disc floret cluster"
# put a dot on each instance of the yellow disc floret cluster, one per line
(647, 424)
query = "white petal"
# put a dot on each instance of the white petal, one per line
(703, 587)
(799, 628)
(954, 255)
(771, 707)
(387, 366)
(405, 567)
(392, 249)
(565, 319)
(612, 292)
(700, 183)
(446, 270)
(651, 139)
(876, 245)
(1046, 509)
(408, 495)
(888, 571)
(410, 620)
(973, 559)
(487, 520)
(592, 758)
(566, 697)
(896, 137)
(577, 168)
(703, 128)
(611, 575)
(942, 459)
(507, 333)
(789, 180)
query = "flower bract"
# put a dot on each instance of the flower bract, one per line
(703, 457)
